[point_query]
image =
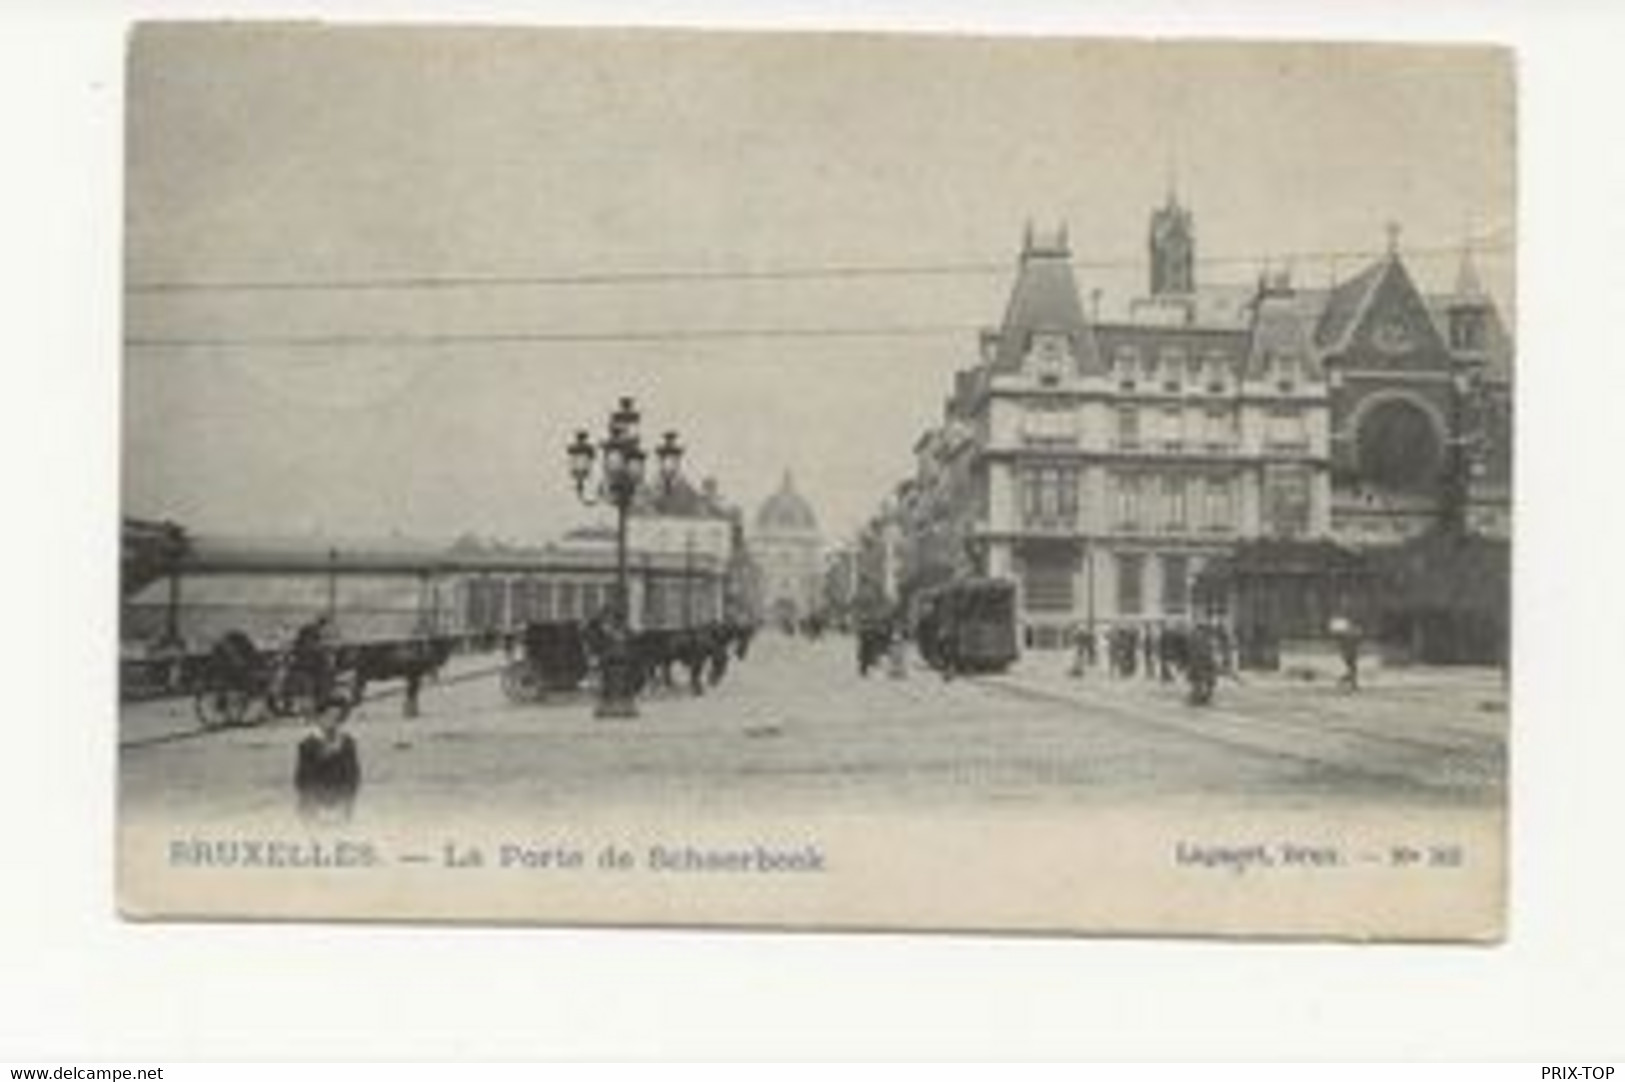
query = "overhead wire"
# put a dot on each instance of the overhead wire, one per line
(810, 272)
(668, 335)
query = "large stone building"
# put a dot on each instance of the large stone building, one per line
(789, 553)
(1104, 464)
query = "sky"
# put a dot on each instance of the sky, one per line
(307, 155)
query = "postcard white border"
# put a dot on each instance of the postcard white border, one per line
(98, 987)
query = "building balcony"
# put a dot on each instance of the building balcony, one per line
(1055, 526)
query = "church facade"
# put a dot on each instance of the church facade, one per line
(1104, 465)
(789, 552)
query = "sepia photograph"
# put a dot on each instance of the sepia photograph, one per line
(838, 481)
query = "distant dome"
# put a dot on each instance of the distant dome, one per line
(786, 510)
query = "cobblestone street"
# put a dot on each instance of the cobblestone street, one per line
(794, 726)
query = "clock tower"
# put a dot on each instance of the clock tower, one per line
(1173, 250)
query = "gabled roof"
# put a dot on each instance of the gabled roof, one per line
(1347, 324)
(1044, 298)
(1346, 303)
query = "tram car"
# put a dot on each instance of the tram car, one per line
(968, 626)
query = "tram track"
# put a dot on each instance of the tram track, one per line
(1383, 758)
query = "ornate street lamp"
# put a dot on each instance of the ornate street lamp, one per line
(621, 476)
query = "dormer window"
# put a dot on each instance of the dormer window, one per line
(1049, 357)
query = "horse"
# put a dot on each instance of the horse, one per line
(410, 660)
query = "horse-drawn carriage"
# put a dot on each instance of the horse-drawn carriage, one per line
(553, 659)
(241, 684)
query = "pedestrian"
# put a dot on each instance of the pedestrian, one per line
(311, 662)
(327, 773)
(896, 649)
(1201, 668)
(1128, 651)
(945, 648)
(1148, 643)
(719, 652)
(874, 638)
(1347, 635)
(1171, 645)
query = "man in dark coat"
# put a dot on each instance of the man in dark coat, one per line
(1201, 667)
(874, 639)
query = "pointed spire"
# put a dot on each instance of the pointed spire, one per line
(1468, 285)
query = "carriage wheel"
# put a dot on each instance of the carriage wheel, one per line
(511, 675)
(209, 708)
(520, 683)
(219, 706)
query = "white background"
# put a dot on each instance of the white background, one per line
(76, 982)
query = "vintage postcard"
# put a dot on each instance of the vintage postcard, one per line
(816, 481)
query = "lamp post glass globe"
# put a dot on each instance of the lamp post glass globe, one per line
(614, 459)
(624, 421)
(670, 456)
(581, 454)
(635, 460)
